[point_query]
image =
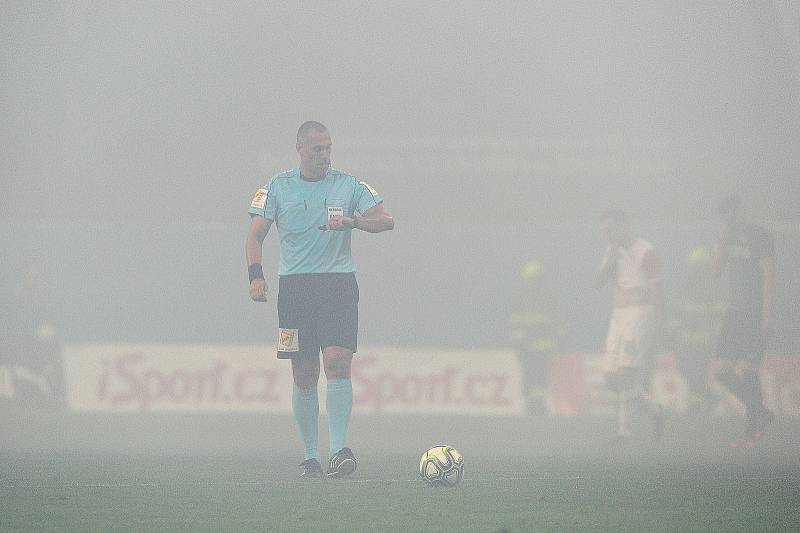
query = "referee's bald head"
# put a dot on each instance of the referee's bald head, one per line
(305, 127)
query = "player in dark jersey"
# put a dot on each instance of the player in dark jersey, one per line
(747, 252)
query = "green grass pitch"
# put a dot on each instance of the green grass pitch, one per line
(130, 492)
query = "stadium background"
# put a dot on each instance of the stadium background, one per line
(134, 136)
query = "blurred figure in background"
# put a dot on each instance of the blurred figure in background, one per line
(632, 267)
(31, 370)
(535, 332)
(694, 325)
(746, 252)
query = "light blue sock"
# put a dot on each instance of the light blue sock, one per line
(339, 405)
(305, 405)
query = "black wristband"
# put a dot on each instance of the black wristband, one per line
(255, 272)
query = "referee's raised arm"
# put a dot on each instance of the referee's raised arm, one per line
(374, 220)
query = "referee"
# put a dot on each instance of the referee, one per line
(315, 209)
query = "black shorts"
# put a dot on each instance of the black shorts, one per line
(316, 311)
(741, 337)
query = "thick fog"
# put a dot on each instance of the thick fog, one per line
(459, 111)
(134, 135)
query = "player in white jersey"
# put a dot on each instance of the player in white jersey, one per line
(632, 267)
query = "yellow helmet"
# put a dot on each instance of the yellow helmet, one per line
(532, 270)
(699, 255)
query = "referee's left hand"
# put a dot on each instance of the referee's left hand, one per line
(338, 223)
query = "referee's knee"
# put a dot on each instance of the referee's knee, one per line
(305, 373)
(337, 362)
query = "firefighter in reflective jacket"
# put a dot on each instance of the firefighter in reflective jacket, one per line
(697, 317)
(535, 332)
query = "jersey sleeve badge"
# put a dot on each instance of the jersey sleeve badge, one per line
(260, 199)
(370, 188)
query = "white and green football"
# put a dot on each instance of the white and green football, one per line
(442, 466)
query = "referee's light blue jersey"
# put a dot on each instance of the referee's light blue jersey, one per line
(299, 207)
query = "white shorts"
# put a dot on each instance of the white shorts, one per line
(630, 338)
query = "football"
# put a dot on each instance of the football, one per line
(442, 466)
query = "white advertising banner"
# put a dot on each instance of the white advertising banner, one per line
(249, 378)
(163, 377)
(435, 381)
